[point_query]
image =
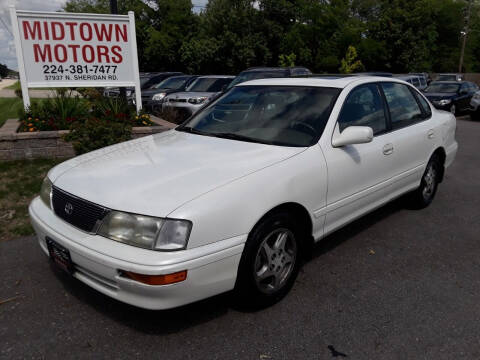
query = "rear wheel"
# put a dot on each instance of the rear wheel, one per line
(270, 261)
(423, 196)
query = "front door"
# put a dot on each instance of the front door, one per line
(358, 174)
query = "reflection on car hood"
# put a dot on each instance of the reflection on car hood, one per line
(156, 174)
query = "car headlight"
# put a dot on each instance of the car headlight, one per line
(159, 96)
(444, 102)
(146, 231)
(46, 191)
(197, 100)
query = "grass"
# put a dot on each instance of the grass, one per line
(20, 182)
(14, 86)
(9, 108)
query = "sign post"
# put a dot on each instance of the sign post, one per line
(57, 49)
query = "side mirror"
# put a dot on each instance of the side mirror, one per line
(353, 135)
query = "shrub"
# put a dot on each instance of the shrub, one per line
(56, 113)
(95, 133)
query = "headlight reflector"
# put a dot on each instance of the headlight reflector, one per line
(174, 235)
(46, 191)
(159, 96)
(146, 231)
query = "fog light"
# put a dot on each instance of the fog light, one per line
(157, 279)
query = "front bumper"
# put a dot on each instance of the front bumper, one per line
(98, 262)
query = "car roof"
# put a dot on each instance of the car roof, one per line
(273, 68)
(217, 76)
(335, 82)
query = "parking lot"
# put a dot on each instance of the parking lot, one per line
(397, 284)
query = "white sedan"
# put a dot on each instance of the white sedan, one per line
(233, 199)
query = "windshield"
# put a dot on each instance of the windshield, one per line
(175, 83)
(208, 84)
(252, 75)
(277, 115)
(442, 88)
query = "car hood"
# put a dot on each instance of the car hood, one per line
(190, 94)
(156, 174)
(157, 91)
(439, 96)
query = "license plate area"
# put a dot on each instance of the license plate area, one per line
(59, 255)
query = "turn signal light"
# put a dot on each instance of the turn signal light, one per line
(157, 279)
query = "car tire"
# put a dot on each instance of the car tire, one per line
(270, 262)
(475, 115)
(423, 196)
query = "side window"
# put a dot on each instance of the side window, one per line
(364, 107)
(425, 106)
(416, 82)
(404, 109)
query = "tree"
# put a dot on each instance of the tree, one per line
(350, 63)
(4, 70)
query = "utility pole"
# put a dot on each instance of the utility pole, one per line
(114, 10)
(464, 33)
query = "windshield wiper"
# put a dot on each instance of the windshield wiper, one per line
(233, 136)
(191, 130)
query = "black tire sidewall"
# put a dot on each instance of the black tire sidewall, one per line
(246, 288)
(436, 164)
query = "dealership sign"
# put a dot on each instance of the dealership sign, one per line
(56, 49)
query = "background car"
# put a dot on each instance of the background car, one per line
(147, 80)
(268, 72)
(475, 106)
(424, 75)
(419, 82)
(153, 96)
(196, 95)
(453, 96)
(449, 77)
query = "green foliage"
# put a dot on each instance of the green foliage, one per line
(3, 70)
(231, 35)
(287, 60)
(350, 63)
(54, 113)
(95, 133)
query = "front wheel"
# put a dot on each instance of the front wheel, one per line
(423, 196)
(270, 262)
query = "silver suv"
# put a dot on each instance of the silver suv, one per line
(197, 94)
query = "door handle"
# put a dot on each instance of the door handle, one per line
(431, 134)
(388, 149)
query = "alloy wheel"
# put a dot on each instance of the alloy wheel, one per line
(275, 260)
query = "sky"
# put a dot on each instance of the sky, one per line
(7, 47)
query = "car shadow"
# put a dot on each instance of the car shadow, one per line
(172, 321)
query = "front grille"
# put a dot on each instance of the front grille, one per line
(80, 213)
(178, 100)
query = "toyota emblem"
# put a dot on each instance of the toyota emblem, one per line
(68, 208)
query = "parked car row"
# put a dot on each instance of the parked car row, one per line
(186, 94)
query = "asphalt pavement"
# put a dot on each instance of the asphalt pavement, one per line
(397, 284)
